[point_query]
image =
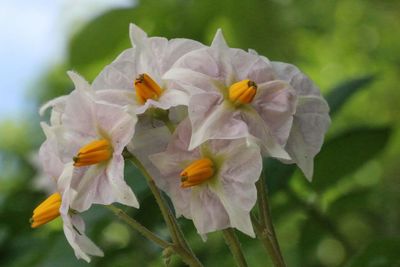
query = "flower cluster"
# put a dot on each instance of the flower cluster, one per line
(199, 118)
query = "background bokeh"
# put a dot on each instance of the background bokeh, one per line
(348, 216)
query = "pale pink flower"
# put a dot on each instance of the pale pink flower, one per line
(135, 80)
(74, 227)
(90, 134)
(214, 184)
(235, 94)
(310, 122)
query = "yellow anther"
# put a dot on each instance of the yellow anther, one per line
(93, 153)
(146, 88)
(197, 172)
(47, 211)
(242, 92)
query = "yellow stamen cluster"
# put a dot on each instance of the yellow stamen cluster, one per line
(47, 211)
(146, 88)
(93, 153)
(197, 172)
(242, 92)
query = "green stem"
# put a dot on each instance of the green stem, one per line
(180, 244)
(265, 230)
(234, 245)
(138, 227)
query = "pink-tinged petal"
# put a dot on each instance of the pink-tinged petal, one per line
(116, 123)
(176, 49)
(276, 102)
(137, 35)
(310, 124)
(147, 142)
(311, 120)
(236, 184)
(207, 211)
(172, 98)
(48, 154)
(238, 218)
(79, 82)
(85, 184)
(117, 97)
(298, 80)
(252, 67)
(212, 119)
(57, 104)
(83, 247)
(115, 182)
(167, 178)
(192, 81)
(118, 75)
(258, 128)
(202, 60)
(79, 113)
(219, 42)
(101, 184)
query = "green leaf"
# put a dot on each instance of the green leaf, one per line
(346, 153)
(277, 174)
(379, 253)
(101, 38)
(340, 94)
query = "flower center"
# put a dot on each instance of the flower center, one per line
(47, 211)
(197, 172)
(93, 153)
(242, 92)
(146, 88)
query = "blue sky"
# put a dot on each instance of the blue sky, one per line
(33, 35)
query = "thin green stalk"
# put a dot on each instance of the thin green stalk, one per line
(265, 229)
(234, 245)
(180, 244)
(138, 227)
(264, 236)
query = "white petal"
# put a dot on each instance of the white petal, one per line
(275, 102)
(260, 130)
(79, 82)
(79, 113)
(238, 218)
(80, 243)
(176, 49)
(207, 211)
(219, 41)
(121, 191)
(117, 97)
(137, 35)
(58, 102)
(118, 75)
(116, 123)
(192, 81)
(212, 119)
(307, 135)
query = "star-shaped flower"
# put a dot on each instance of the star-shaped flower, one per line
(235, 94)
(214, 184)
(91, 135)
(135, 79)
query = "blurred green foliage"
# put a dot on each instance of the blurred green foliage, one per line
(347, 217)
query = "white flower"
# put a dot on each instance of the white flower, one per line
(74, 227)
(310, 122)
(214, 185)
(92, 135)
(235, 94)
(135, 80)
